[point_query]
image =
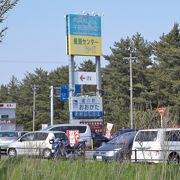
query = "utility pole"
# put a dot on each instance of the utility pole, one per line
(131, 90)
(34, 105)
(130, 58)
(52, 105)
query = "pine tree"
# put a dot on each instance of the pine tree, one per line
(167, 83)
(116, 79)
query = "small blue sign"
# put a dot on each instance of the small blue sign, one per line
(64, 91)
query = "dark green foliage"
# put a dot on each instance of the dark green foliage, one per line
(61, 109)
(116, 79)
(167, 84)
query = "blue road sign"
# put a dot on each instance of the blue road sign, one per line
(64, 91)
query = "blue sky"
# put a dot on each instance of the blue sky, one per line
(36, 34)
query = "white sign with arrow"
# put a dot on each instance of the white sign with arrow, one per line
(88, 78)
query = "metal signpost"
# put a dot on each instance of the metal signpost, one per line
(161, 112)
(84, 39)
(63, 94)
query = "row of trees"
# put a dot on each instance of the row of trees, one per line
(156, 82)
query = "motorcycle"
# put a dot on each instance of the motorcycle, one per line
(62, 149)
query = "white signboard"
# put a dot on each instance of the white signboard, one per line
(7, 105)
(86, 107)
(83, 103)
(88, 78)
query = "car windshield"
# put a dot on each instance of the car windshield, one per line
(146, 136)
(8, 134)
(122, 139)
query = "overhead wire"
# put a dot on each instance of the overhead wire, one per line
(35, 62)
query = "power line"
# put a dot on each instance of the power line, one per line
(28, 62)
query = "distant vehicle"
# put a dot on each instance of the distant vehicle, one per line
(124, 130)
(98, 139)
(84, 130)
(157, 145)
(34, 143)
(6, 138)
(119, 148)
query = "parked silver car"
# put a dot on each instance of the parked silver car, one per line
(35, 143)
(6, 138)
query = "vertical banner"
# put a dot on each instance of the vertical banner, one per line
(73, 137)
(108, 130)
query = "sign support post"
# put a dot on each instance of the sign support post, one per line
(161, 121)
(161, 112)
(71, 84)
(84, 39)
(98, 74)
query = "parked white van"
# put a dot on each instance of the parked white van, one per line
(157, 145)
(84, 130)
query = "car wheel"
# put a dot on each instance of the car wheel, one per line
(12, 153)
(46, 153)
(173, 158)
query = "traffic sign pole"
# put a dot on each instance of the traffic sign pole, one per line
(161, 112)
(161, 122)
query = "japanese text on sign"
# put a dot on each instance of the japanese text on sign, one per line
(83, 35)
(92, 103)
(73, 136)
